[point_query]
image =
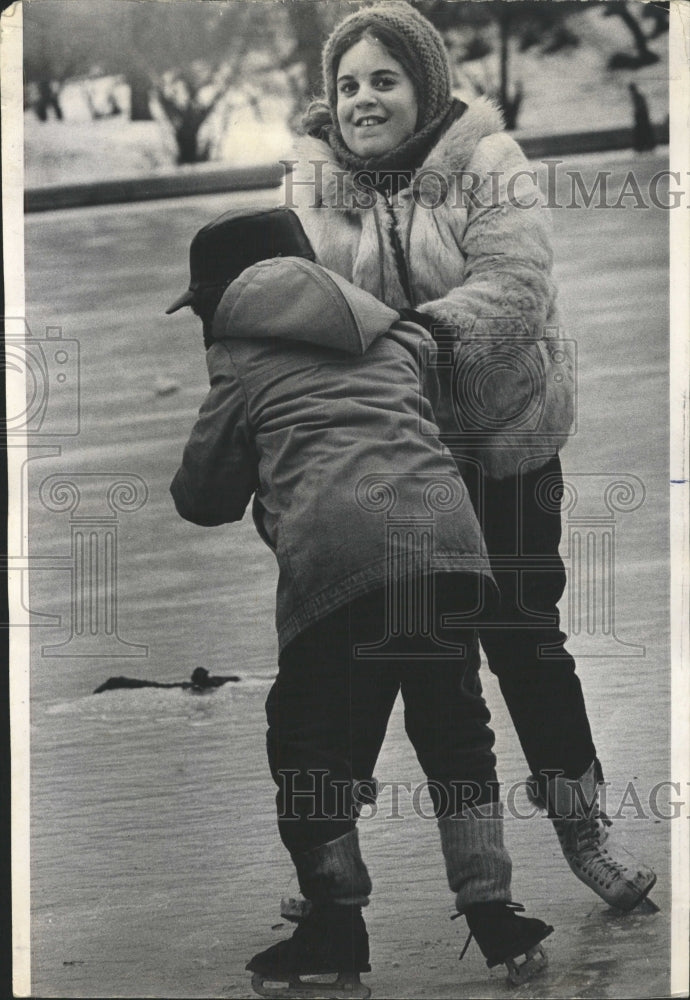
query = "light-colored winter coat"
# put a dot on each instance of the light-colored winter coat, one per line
(316, 409)
(478, 262)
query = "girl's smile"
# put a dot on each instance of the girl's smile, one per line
(377, 105)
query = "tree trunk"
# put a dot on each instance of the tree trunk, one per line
(504, 28)
(187, 139)
(509, 98)
(139, 89)
(47, 98)
(187, 132)
(305, 20)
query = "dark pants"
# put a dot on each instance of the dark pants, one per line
(328, 711)
(523, 641)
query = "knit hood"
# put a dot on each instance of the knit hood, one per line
(295, 299)
(424, 57)
(422, 41)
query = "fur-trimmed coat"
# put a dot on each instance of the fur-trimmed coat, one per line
(475, 239)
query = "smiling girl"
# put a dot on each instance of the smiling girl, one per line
(377, 102)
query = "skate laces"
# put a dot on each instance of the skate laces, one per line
(466, 945)
(513, 907)
(585, 841)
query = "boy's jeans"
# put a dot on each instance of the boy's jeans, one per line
(328, 711)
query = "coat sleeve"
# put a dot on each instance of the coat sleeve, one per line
(506, 247)
(219, 470)
(513, 375)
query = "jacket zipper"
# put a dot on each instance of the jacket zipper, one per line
(398, 252)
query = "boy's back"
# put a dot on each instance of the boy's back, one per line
(317, 409)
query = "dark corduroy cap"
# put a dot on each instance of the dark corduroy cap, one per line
(234, 241)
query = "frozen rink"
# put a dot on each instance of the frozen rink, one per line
(156, 866)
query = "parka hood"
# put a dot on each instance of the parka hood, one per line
(295, 299)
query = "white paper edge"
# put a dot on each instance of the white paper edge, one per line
(11, 87)
(679, 276)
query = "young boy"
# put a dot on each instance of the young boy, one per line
(315, 409)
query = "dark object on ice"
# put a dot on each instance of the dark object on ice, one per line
(129, 682)
(201, 681)
(643, 130)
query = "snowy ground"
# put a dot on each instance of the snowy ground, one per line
(569, 91)
(155, 862)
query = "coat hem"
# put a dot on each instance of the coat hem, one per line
(367, 580)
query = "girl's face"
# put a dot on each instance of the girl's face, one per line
(377, 105)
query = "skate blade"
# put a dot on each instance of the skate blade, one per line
(346, 986)
(646, 905)
(643, 904)
(520, 972)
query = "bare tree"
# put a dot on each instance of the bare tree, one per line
(53, 52)
(309, 24)
(138, 38)
(644, 56)
(306, 20)
(536, 24)
(187, 97)
(206, 51)
(185, 55)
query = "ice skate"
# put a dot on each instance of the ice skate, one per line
(330, 942)
(504, 937)
(479, 870)
(588, 845)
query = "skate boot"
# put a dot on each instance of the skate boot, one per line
(504, 937)
(330, 941)
(479, 870)
(587, 844)
(330, 938)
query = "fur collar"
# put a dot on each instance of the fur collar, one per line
(318, 172)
